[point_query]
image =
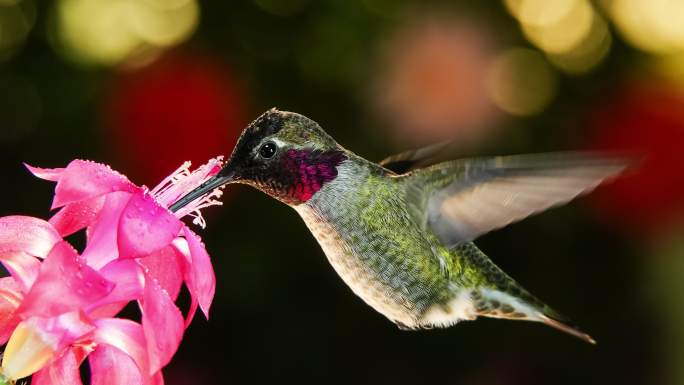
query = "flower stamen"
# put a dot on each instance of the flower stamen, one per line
(182, 181)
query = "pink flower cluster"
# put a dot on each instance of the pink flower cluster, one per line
(59, 307)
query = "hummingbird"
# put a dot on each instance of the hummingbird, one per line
(402, 237)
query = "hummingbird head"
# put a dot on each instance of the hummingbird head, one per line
(284, 154)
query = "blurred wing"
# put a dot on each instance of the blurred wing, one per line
(408, 160)
(462, 200)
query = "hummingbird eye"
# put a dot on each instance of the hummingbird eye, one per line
(267, 150)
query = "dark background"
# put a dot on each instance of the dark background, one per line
(145, 85)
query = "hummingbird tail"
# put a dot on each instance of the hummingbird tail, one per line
(561, 323)
(494, 294)
(523, 306)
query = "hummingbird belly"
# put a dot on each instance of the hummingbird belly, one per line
(355, 271)
(361, 223)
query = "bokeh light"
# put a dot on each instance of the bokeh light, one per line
(646, 120)
(589, 53)
(655, 26)
(571, 32)
(163, 23)
(431, 81)
(566, 32)
(521, 82)
(114, 31)
(185, 106)
(16, 21)
(540, 13)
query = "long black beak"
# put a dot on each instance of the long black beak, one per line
(217, 180)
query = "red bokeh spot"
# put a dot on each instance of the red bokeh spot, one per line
(646, 120)
(182, 107)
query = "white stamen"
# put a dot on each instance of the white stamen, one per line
(182, 181)
(181, 173)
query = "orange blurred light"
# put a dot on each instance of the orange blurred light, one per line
(431, 81)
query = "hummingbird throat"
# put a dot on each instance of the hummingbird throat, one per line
(306, 171)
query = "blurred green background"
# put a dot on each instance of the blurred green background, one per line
(146, 84)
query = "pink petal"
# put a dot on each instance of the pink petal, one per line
(10, 299)
(108, 310)
(191, 311)
(162, 323)
(102, 235)
(64, 284)
(28, 234)
(182, 248)
(21, 238)
(63, 330)
(10, 285)
(166, 267)
(82, 350)
(126, 336)
(77, 215)
(129, 282)
(23, 267)
(83, 180)
(51, 174)
(110, 366)
(62, 371)
(200, 278)
(145, 227)
(158, 379)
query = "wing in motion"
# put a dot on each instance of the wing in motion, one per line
(411, 159)
(463, 199)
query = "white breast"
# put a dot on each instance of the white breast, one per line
(362, 281)
(342, 256)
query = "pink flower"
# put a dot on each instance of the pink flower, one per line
(57, 308)
(56, 324)
(125, 221)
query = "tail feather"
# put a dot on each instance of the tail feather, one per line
(497, 295)
(499, 304)
(564, 326)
